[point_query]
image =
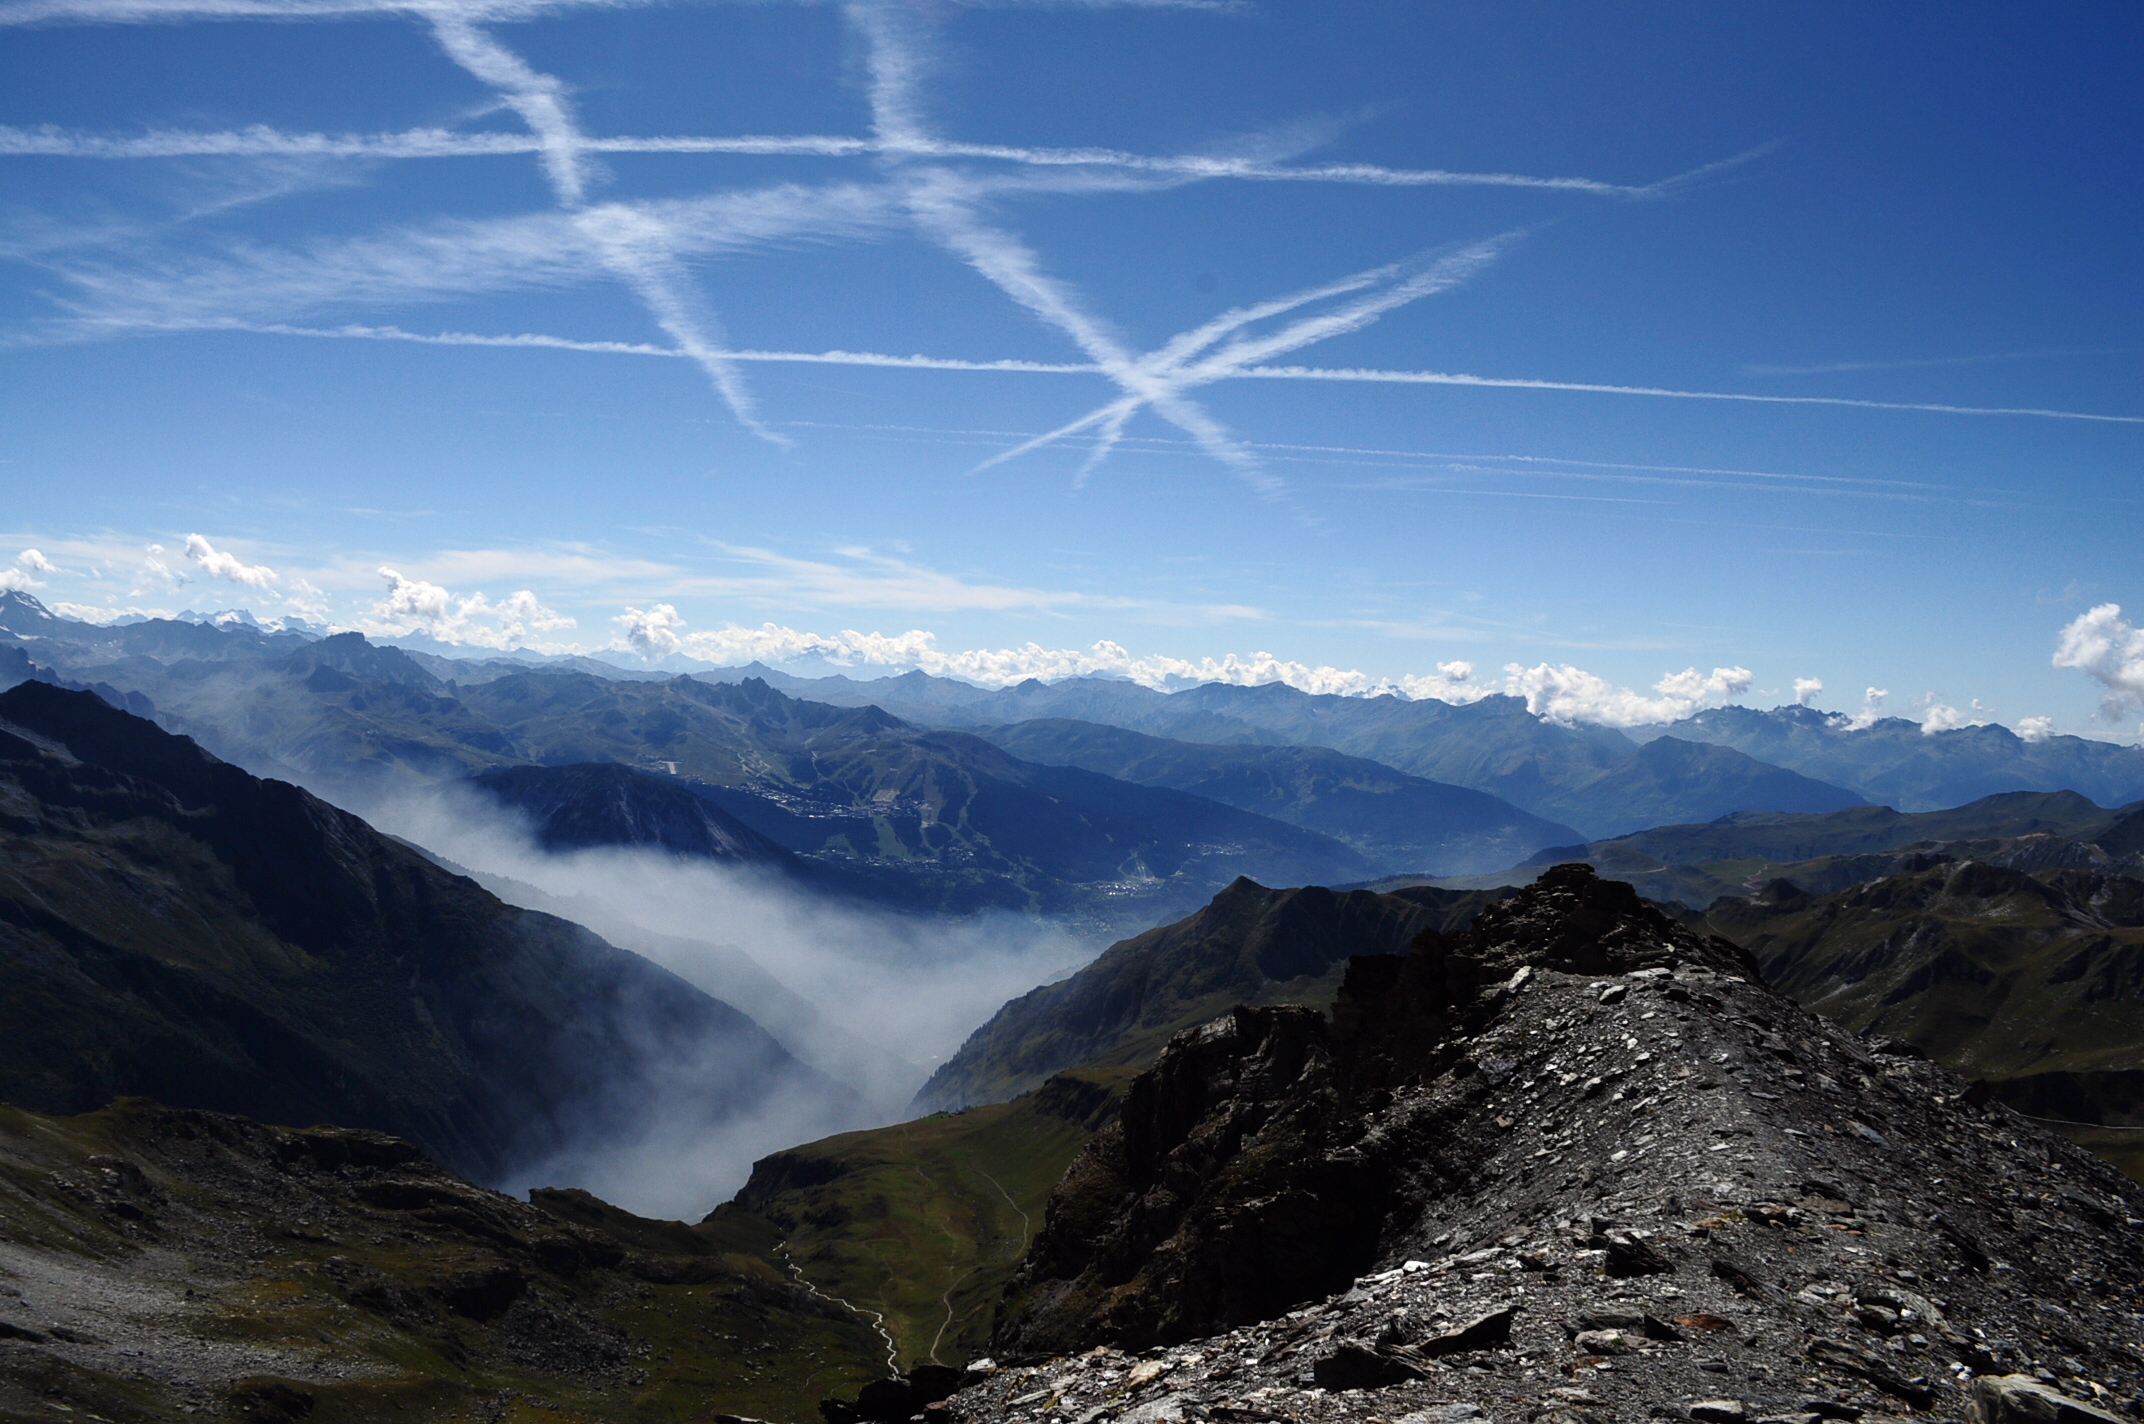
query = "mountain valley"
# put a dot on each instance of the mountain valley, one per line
(1314, 1138)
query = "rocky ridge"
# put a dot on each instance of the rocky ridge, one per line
(1578, 1164)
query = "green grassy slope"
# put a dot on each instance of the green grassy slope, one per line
(923, 1222)
(164, 1264)
(1993, 971)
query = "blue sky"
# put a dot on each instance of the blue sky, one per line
(1004, 339)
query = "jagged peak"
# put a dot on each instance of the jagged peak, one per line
(1573, 921)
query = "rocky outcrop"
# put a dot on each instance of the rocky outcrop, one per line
(1577, 1164)
(1250, 944)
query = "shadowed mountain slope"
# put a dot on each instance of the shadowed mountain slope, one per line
(1249, 945)
(173, 927)
(605, 804)
(1401, 821)
(1577, 1136)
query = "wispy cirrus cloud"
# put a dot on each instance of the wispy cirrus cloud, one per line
(859, 576)
(445, 260)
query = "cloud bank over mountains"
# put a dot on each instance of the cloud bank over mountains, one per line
(2100, 643)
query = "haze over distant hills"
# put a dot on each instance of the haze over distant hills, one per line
(1596, 780)
(1586, 776)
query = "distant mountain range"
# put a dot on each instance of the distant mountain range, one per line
(171, 926)
(1567, 774)
(1391, 817)
(1737, 855)
(1593, 778)
(920, 818)
(1894, 762)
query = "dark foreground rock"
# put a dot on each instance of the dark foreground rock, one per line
(1576, 1165)
(162, 1264)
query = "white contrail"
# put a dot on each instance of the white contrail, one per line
(1456, 378)
(1103, 414)
(1177, 349)
(164, 12)
(539, 341)
(945, 208)
(1169, 371)
(637, 246)
(539, 99)
(261, 141)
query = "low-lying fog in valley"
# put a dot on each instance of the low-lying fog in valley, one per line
(872, 999)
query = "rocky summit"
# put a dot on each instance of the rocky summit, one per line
(1577, 1164)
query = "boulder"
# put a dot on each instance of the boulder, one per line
(2021, 1399)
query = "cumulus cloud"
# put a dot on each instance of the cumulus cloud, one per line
(415, 606)
(22, 577)
(218, 564)
(1567, 695)
(1871, 710)
(652, 633)
(1806, 689)
(655, 633)
(1942, 717)
(2035, 729)
(2109, 649)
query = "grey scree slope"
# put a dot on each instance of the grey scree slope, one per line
(1682, 1197)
